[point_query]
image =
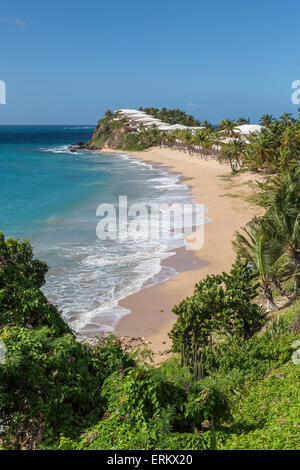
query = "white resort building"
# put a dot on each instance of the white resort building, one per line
(137, 120)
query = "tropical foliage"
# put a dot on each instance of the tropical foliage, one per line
(275, 147)
(56, 392)
(271, 244)
(230, 384)
(221, 304)
(171, 116)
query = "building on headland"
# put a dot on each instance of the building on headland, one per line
(137, 120)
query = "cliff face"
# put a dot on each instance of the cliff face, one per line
(115, 135)
(106, 134)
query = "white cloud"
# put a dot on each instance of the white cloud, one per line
(16, 21)
(193, 105)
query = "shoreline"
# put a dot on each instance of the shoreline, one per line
(226, 199)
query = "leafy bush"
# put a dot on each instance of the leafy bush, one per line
(23, 304)
(220, 303)
(52, 387)
(111, 434)
(144, 395)
(255, 356)
(171, 116)
(55, 380)
(146, 409)
(267, 415)
(20, 254)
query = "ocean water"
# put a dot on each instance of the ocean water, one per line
(50, 195)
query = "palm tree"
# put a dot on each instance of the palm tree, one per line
(108, 114)
(266, 120)
(291, 138)
(242, 120)
(270, 265)
(187, 138)
(209, 140)
(216, 141)
(200, 138)
(232, 152)
(283, 217)
(207, 125)
(285, 159)
(287, 118)
(261, 151)
(228, 128)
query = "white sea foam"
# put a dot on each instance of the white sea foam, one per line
(93, 277)
(81, 127)
(59, 149)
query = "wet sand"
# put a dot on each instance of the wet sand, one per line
(226, 198)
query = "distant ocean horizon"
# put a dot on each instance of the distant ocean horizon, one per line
(49, 195)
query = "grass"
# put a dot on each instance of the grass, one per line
(232, 183)
(229, 195)
(267, 417)
(266, 414)
(225, 177)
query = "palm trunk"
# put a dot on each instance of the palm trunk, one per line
(270, 301)
(282, 292)
(297, 272)
(296, 286)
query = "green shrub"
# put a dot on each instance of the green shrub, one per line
(267, 415)
(55, 380)
(141, 395)
(110, 434)
(223, 304)
(20, 254)
(24, 304)
(255, 356)
(146, 409)
(144, 395)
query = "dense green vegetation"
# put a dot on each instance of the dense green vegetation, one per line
(220, 303)
(171, 116)
(233, 381)
(271, 243)
(116, 135)
(58, 393)
(276, 147)
(250, 390)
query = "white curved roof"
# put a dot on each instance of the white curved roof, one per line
(130, 112)
(138, 116)
(164, 127)
(157, 123)
(146, 119)
(247, 129)
(177, 126)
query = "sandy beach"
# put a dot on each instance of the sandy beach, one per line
(227, 198)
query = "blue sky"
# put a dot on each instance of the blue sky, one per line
(66, 62)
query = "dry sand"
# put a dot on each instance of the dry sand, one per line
(227, 199)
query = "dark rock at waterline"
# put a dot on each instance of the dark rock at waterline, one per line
(79, 144)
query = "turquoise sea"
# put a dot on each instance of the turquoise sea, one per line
(50, 196)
